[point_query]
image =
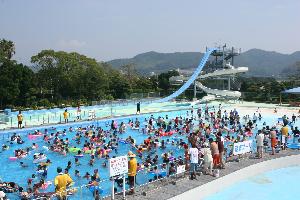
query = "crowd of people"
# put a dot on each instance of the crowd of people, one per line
(203, 140)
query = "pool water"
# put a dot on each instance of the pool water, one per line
(278, 184)
(11, 171)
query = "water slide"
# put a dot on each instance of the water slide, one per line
(223, 93)
(221, 72)
(205, 99)
(225, 72)
(194, 76)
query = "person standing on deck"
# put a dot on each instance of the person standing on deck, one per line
(138, 108)
(132, 169)
(260, 143)
(20, 119)
(215, 153)
(273, 140)
(78, 112)
(284, 136)
(194, 158)
(66, 116)
(294, 118)
(296, 133)
(208, 159)
(220, 142)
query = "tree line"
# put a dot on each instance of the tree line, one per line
(68, 78)
(71, 79)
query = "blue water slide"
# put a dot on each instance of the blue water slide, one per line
(187, 84)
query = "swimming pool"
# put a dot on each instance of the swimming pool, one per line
(276, 184)
(13, 172)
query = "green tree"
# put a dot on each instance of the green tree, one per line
(163, 79)
(17, 84)
(7, 49)
(70, 75)
(119, 85)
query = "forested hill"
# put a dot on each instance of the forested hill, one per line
(160, 62)
(260, 62)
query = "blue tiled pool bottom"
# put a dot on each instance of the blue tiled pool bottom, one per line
(281, 184)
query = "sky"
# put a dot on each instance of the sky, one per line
(110, 29)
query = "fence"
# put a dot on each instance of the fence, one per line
(101, 109)
(142, 180)
(138, 97)
(84, 192)
(145, 95)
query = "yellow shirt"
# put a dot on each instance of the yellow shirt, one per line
(285, 131)
(61, 181)
(66, 114)
(20, 117)
(132, 167)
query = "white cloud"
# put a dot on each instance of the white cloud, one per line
(71, 44)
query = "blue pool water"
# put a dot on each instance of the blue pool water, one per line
(281, 184)
(11, 171)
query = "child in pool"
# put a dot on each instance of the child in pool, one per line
(34, 146)
(77, 163)
(5, 147)
(92, 161)
(87, 176)
(77, 173)
(69, 165)
(96, 175)
(23, 165)
(31, 180)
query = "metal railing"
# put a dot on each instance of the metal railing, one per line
(161, 174)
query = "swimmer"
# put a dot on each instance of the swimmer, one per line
(5, 147)
(77, 173)
(47, 163)
(69, 165)
(92, 161)
(23, 165)
(77, 163)
(34, 146)
(96, 175)
(87, 176)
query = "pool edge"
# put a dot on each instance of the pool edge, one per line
(203, 191)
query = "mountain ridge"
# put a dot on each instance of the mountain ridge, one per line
(260, 62)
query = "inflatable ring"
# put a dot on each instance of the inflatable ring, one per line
(13, 158)
(39, 160)
(74, 150)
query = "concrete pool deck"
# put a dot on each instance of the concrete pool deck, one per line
(206, 185)
(219, 184)
(243, 106)
(84, 122)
